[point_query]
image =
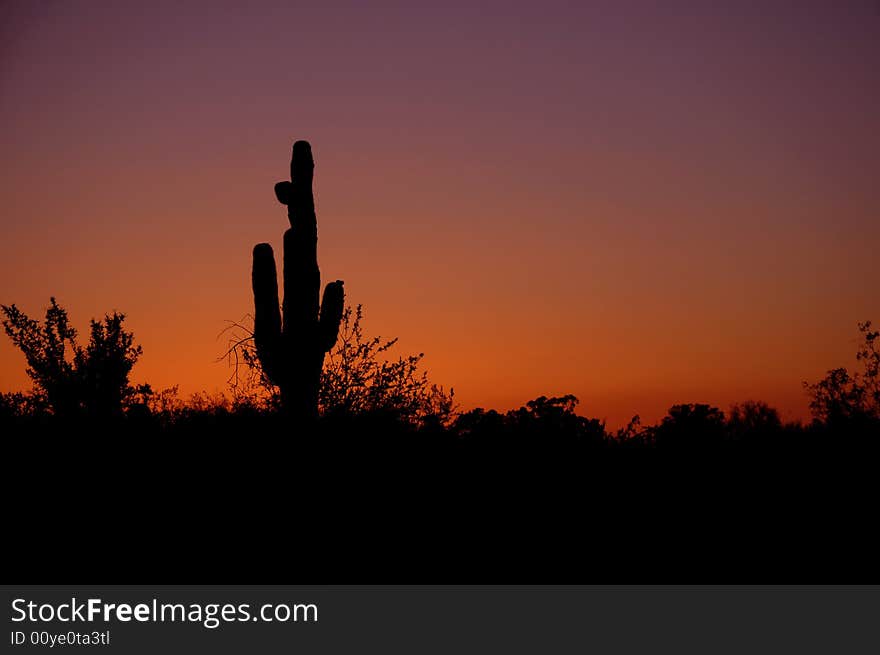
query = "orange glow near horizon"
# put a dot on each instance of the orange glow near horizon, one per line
(564, 205)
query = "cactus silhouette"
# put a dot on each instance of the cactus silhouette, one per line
(291, 351)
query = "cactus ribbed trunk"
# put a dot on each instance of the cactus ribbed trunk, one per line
(291, 351)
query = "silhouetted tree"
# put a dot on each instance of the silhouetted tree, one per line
(539, 422)
(73, 379)
(753, 419)
(842, 397)
(18, 405)
(292, 352)
(480, 423)
(690, 426)
(633, 434)
(555, 418)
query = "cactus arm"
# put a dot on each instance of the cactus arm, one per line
(331, 315)
(284, 193)
(267, 315)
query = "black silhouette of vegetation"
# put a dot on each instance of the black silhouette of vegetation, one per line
(291, 350)
(383, 476)
(539, 493)
(361, 381)
(359, 377)
(70, 379)
(848, 399)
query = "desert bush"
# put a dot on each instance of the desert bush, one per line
(73, 379)
(844, 397)
(753, 419)
(690, 426)
(360, 376)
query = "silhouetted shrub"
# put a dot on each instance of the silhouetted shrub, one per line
(690, 426)
(479, 423)
(555, 418)
(753, 420)
(104, 365)
(539, 422)
(70, 378)
(358, 378)
(18, 405)
(841, 397)
(633, 434)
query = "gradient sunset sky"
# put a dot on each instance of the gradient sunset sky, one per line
(638, 202)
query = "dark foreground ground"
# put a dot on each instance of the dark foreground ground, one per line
(253, 500)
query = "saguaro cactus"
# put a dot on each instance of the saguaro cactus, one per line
(292, 352)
